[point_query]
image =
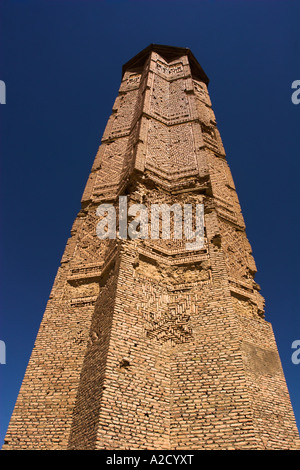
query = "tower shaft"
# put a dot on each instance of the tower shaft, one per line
(145, 344)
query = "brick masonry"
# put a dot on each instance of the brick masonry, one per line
(144, 345)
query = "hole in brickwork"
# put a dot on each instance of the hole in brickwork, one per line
(124, 363)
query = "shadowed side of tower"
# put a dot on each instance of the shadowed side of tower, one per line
(145, 344)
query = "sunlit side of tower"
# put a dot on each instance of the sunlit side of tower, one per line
(143, 344)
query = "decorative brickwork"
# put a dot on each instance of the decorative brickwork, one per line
(144, 344)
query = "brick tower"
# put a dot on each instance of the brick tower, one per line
(144, 344)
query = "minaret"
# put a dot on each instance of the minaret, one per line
(145, 344)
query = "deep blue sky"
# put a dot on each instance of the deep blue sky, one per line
(61, 61)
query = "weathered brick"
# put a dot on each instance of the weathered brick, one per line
(144, 345)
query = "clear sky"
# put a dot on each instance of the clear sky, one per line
(61, 62)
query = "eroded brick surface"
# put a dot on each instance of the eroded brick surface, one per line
(143, 344)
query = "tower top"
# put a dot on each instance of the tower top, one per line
(169, 53)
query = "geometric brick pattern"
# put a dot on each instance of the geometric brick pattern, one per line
(144, 345)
